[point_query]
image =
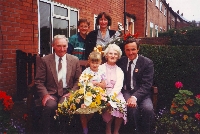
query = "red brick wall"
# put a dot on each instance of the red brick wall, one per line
(182, 24)
(18, 20)
(155, 16)
(87, 9)
(171, 20)
(137, 7)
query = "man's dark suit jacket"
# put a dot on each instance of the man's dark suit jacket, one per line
(142, 76)
(46, 79)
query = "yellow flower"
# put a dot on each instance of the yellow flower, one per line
(185, 117)
(81, 91)
(65, 104)
(98, 100)
(59, 105)
(93, 105)
(88, 94)
(73, 106)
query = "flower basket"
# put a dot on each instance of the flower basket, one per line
(88, 99)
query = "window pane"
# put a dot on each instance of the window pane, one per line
(60, 11)
(60, 27)
(45, 26)
(73, 22)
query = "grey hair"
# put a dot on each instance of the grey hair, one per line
(59, 37)
(114, 47)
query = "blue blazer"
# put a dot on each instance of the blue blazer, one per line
(142, 76)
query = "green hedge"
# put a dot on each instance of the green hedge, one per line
(186, 36)
(171, 64)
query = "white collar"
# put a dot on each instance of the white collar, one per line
(57, 57)
(134, 61)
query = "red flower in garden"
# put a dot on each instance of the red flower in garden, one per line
(6, 101)
(178, 84)
(2, 95)
(197, 115)
(198, 96)
(185, 108)
(25, 116)
(190, 102)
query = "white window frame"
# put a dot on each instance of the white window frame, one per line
(157, 3)
(165, 11)
(161, 6)
(151, 27)
(53, 15)
(161, 30)
(127, 26)
(95, 18)
(156, 30)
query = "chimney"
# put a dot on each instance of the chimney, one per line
(178, 11)
(182, 14)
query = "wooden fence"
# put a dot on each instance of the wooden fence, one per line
(26, 69)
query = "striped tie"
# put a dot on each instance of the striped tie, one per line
(60, 82)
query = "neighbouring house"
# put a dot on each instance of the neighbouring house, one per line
(148, 17)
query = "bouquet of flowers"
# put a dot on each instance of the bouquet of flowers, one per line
(88, 99)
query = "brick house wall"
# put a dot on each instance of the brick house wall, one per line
(137, 7)
(19, 29)
(146, 12)
(18, 20)
(171, 19)
(87, 9)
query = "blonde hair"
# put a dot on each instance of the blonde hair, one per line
(114, 47)
(95, 56)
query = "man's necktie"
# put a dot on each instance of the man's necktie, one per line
(60, 82)
(128, 76)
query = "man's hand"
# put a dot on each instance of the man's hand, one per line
(131, 102)
(46, 98)
(66, 95)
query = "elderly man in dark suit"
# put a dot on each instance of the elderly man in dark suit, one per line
(138, 72)
(56, 75)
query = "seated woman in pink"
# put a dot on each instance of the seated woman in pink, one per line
(114, 83)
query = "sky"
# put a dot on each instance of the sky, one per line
(189, 8)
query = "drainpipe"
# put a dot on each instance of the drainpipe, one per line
(146, 21)
(124, 16)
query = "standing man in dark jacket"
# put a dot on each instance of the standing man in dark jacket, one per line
(138, 72)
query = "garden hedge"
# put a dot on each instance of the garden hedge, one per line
(171, 64)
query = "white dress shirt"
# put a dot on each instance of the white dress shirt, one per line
(63, 72)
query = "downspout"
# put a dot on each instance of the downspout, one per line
(146, 21)
(124, 16)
